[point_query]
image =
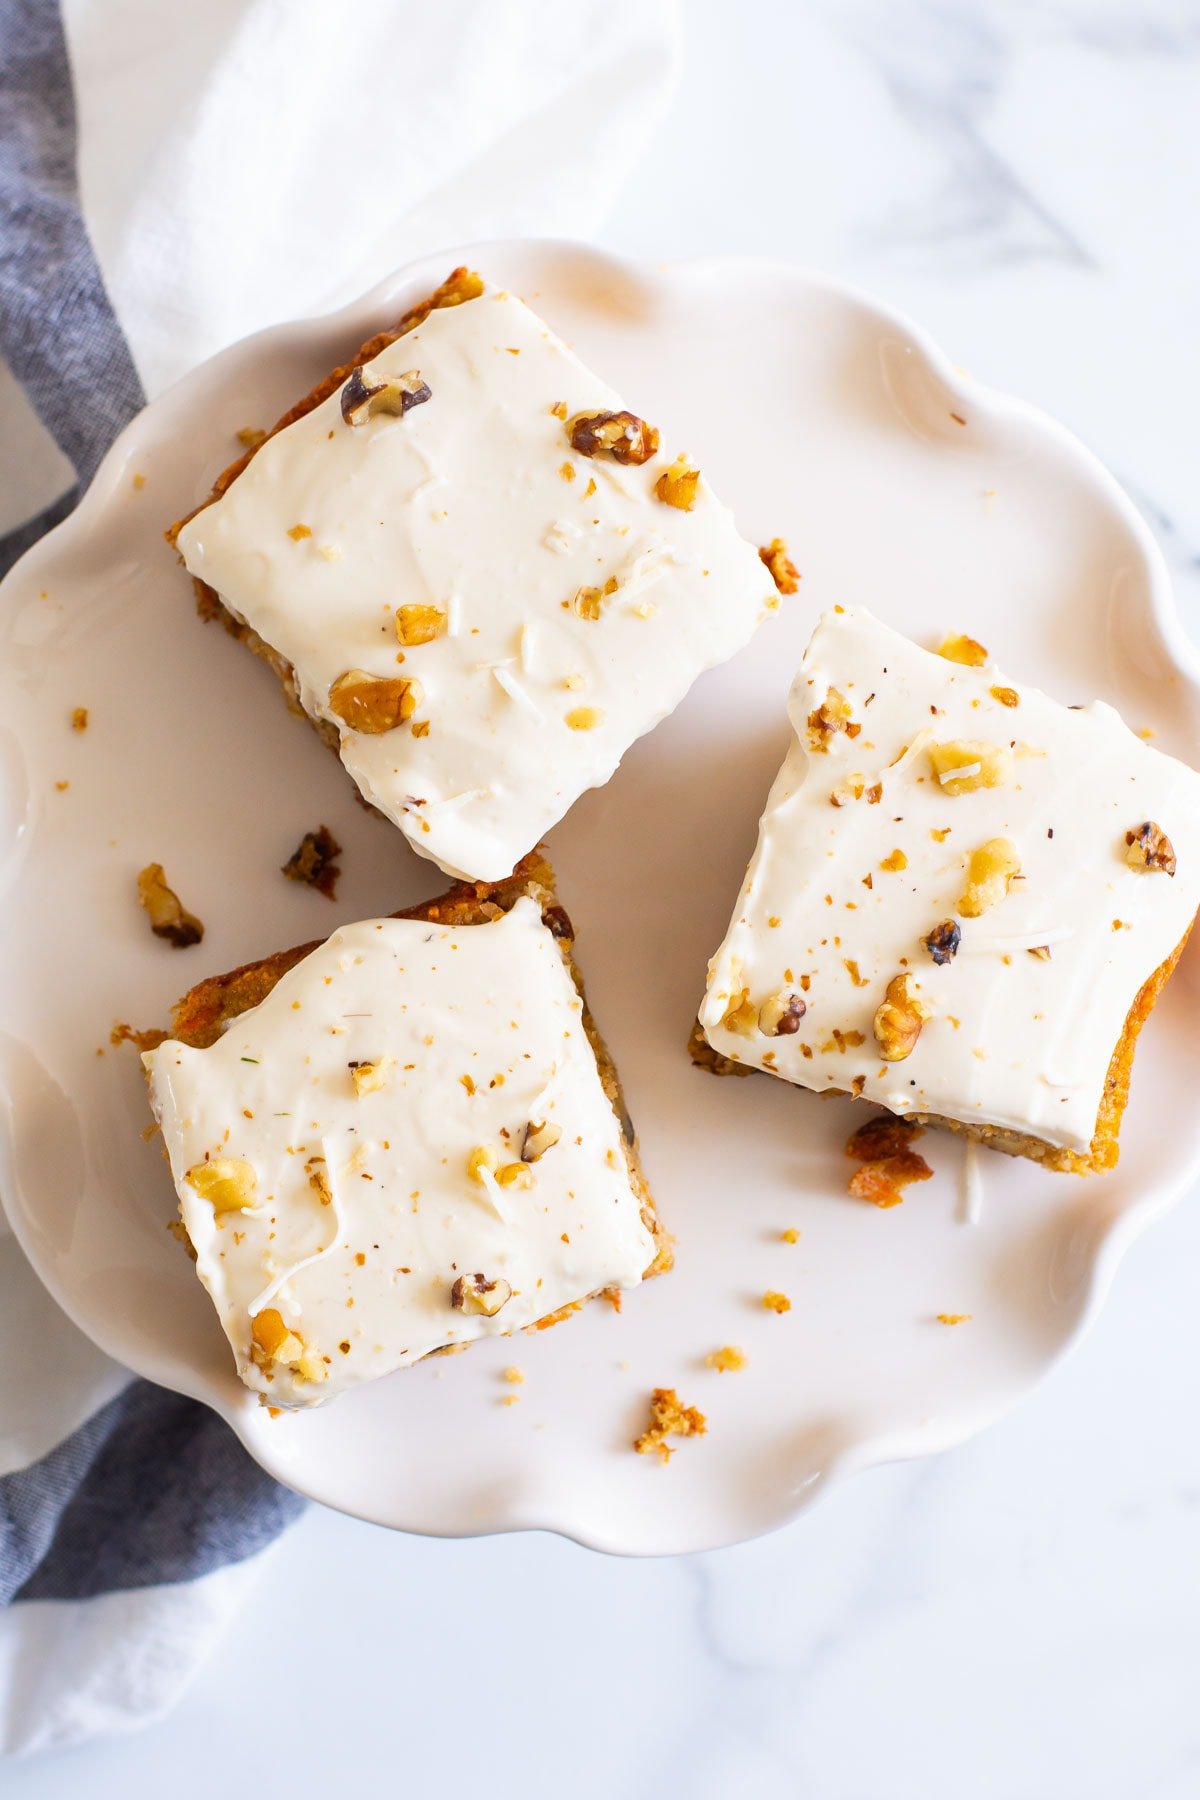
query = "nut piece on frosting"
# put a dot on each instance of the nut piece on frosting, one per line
(227, 1182)
(783, 570)
(476, 1294)
(967, 764)
(363, 398)
(943, 941)
(965, 650)
(677, 485)
(621, 435)
(169, 918)
(419, 624)
(373, 704)
(990, 872)
(539, 1137)
(780, 1015)
(898, 1021)
(1149, 847)
(370, 1077)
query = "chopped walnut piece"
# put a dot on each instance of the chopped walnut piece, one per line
(1149, 847)
(780, 1016)
(314, 861)
(943, 941)
(538, 1139)
(894, 862)
(727, 1359)
(482, 1158)
(585, 718)
(227, 1182)
(965, 765)
(273, 1338)
(1041, 951)
(363, 398)
(169, 918)
(1005, 695)
(990, 871)
(825, 721)
(621, 435)
(370, 1077)
(776, 1302)
(961, 649)
(419, 624)
(898, 1021)
(515, 1175)
(588, 602)
(784, 572)
(476, 1294)
(79, 719)
(740, 1015)
(372, 703)
(677, 485)
(669, 1417)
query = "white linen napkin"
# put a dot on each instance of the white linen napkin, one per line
(239, 163)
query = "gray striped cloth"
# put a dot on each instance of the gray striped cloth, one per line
(153, 1488)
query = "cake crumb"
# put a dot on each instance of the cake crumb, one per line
(882, 1145)
(776, 1303)
(727, 1359)
(314, 862)
(514, 1376)
(953, 1318)
(79, 719)
(668, 1418)
(790, 1236)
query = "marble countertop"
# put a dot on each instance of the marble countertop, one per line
(1018, 1619)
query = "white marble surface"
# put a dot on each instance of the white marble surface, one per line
(1021, 1618)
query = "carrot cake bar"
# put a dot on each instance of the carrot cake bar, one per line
(964, 900)
(399, 1140)
(479, 574)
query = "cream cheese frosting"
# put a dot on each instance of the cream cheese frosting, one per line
(380, 1098)
(867, 844)
(473, 503)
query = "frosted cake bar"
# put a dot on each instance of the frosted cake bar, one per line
(964, 900)
(477, 572)
(400, 1140)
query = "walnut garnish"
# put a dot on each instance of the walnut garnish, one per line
(273, 1342)
(669, 1417)
(621, 435)
(961, 649)
(588, 602)
(740, 1016)
(967, 764)
(1041, 951)
(227, 1183)
(169, 918)
(677, 485)
(1005, 695)
(419, 624)
(780, 1016)
(373, 703)
(314, 861)
(585, 718)
(476, 1294)
(538, 1139)
(784, 572)
(515, 1175)
(990, 871)
(1150, 848)
(825, 721)
(894, 862)
(483, 1157)
(898, 1021)
(397, 394)
(369, 1077)
(79, 719)
(943, 941)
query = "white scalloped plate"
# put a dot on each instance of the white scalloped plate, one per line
(900, 484)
